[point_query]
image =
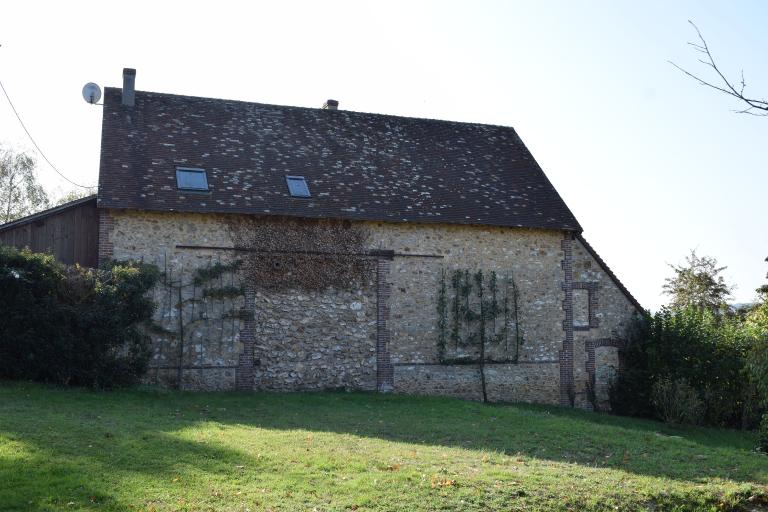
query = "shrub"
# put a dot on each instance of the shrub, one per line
(757, 368)
(676, 401)
(763, 439)
(706, 351)
(70, 325)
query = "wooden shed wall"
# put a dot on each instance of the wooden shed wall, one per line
(71, 235)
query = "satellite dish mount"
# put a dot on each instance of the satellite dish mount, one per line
(91, 93)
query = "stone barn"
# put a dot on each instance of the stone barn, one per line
(320, 248)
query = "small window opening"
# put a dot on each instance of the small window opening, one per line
(297, 186)
(191, 179)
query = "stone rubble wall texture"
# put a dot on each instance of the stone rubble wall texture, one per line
(612, 312)
(328, 339)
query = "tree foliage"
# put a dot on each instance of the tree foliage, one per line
(20, 193)
(756, 324)
(71, 325)
(698, 284)
(72, 195)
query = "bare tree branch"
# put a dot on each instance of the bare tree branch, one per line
(726, 86)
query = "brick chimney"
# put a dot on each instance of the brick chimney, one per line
(331, 105)
(129, 87)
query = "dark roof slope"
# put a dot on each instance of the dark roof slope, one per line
(358, 166)
(44, 214)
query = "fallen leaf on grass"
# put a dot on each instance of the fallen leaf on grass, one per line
(437, 482)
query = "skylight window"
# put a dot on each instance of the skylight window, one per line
(297, 186)
(191, 179)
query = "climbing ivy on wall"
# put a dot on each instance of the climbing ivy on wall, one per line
(310, 254)
(478, 318)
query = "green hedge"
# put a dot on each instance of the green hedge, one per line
(71, 325)
(708, 353)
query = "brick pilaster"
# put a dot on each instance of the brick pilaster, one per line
(567, 389)
(385, 371)
(246, 370)
(106, 227)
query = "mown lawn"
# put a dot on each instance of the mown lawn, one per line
(152, 450)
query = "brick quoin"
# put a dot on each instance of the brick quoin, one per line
(246, 368)
(567, 389)
(106, 228)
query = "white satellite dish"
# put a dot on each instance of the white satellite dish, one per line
(91, 93)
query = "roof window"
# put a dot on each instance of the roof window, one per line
(191, 179)
(297, 186)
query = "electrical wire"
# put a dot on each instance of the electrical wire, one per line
(35, 143)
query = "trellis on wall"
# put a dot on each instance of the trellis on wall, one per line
(199, 312)
(478, 319)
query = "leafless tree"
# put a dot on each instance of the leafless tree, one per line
(754, 106)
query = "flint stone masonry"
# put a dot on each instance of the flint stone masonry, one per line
(312, 340)
(522, 382)
(331, 339)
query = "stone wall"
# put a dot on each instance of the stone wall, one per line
(340, 338)
(532, 256)
(520, 382)
(312, 340)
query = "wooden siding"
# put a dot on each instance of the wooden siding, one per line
(70, 234)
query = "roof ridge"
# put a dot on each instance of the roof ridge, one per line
(296, 107)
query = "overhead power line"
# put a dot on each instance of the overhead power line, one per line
(35, 143)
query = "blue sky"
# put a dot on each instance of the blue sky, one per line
(651, 163)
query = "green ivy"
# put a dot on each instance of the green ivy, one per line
(207, 274)
(224, 291)
(442, 314)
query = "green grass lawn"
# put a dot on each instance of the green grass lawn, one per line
(153, 450)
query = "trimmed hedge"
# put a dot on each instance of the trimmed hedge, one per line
(72, 325)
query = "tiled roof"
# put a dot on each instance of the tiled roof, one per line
(357, 165)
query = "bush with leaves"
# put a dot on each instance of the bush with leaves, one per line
(71, 325)
(676, 401)
(695, 345)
